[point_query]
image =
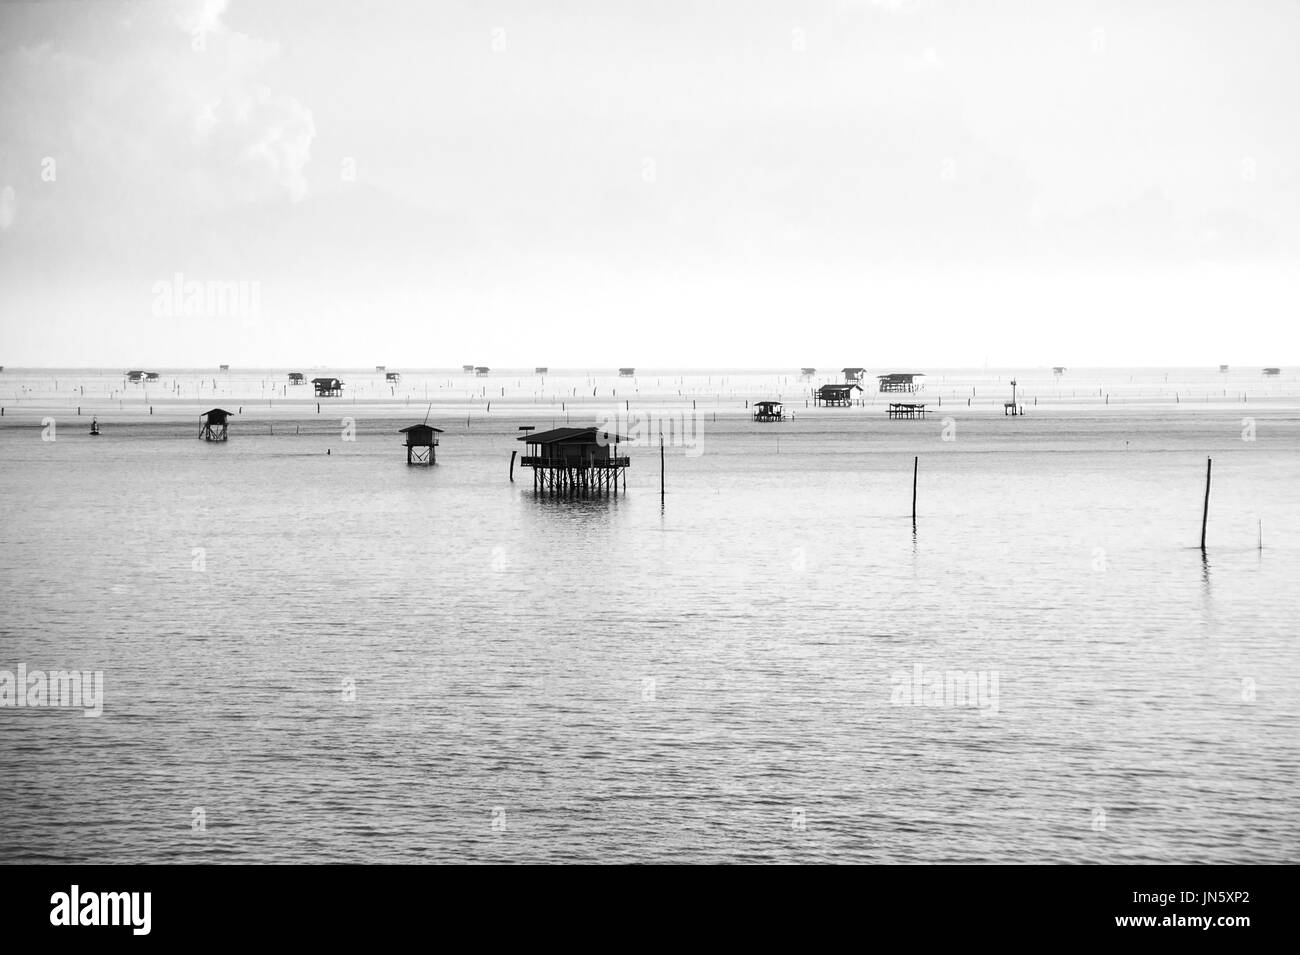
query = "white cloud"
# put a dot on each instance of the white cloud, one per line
(164, 100)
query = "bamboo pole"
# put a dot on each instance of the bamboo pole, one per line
(1205, 513)
(661, 469)
(916, 466)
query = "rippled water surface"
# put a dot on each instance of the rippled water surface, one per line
(606, 680)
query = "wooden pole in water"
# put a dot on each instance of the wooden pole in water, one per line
(661, 469)
(1205, 514)
(916, 465)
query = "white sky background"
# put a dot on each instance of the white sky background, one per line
(742, 183)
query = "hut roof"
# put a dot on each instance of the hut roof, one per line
(846, 370)
(767, 404)
(848, 387)
(901, 375)
(420, 427)
(314, 380)
(572, 436)
(216, 413)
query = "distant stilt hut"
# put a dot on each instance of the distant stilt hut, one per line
(854, 374)
(295, 378)
(467, 369)
(392, 376)
(905, 409)
(327, 387)
(541, 370)
(575, 461)
(380, 369)
(807, 372)
(1272, 371)
(135, 376)
(897, 381)
(224, 368)
(1058, 370)
(421, 444)
(1223, 368)
(151, 376)
(768, 411)
(835, 395)
(481, 371)
(626, 372)
(214, 424)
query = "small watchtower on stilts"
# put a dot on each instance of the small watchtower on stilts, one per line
(575, 461)
(1010, 407)
(214, 424)
(421, 444)
(768, 411)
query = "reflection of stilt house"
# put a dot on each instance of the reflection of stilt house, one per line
(626, 372)
(896, 382)
(835, 395)
(214, 424)
(575, 461)
(768, 411)
(421, 444)
(295, 378)
(327, 387)
(854, 374)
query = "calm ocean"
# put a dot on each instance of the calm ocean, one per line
(313, 657)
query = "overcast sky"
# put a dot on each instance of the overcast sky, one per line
(741, 183)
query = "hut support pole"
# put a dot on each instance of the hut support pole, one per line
(661, 470)
(916, 465)
(1205, 513)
